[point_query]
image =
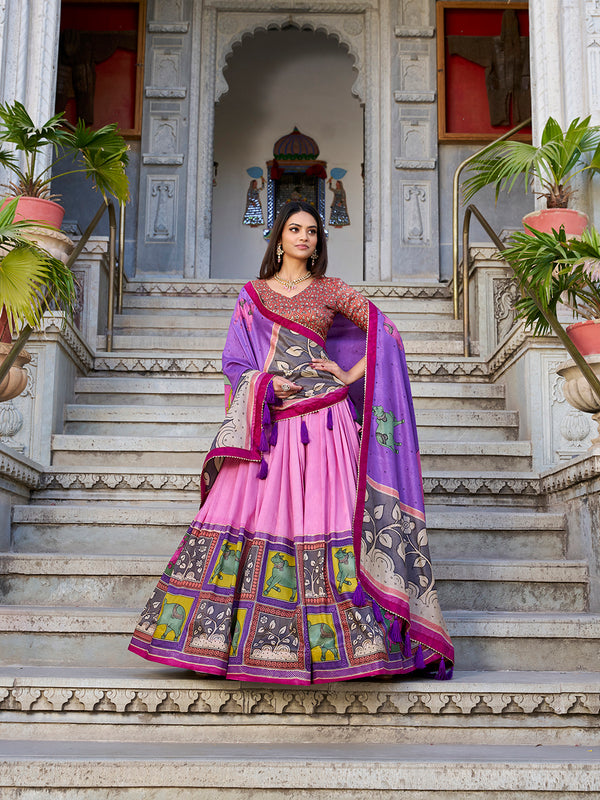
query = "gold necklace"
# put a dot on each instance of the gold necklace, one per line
(290, 285)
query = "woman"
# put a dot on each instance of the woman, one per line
(308, 560)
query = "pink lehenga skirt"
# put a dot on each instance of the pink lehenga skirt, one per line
(261, 587)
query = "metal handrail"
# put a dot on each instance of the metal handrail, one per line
(551, 318)
(456, 203)
(27, 330)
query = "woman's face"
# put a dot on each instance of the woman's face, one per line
(299, 236)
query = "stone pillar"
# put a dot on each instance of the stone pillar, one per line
(28, 55)
(163, 190)
(565, 70)
(415, 215)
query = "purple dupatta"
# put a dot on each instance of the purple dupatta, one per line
(390, 536)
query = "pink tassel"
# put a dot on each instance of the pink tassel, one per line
(266, 415)
(264, 470)
(419, 660)
(441, 674)
(377, 612)
(273, 439)
(407, 646)
(270, 395)
(329, 419)
(264, 444)
(304, 433)
(358, 596)
(395, 633)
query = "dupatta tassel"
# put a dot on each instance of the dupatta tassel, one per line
(270, 395)
(304, 438)
(395, 633)
(359, 598)
(266, 415)
(263, 470)
(442, 673)
(273, 437)
(377, 612)
(407, 652)
(329, 419)
(264, 443)
(419, 660)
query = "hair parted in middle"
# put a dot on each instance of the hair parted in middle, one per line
(269, 265)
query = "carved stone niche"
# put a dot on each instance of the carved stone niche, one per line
(415, 213)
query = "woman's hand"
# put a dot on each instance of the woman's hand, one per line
(284, 388)
(353, 374)
(326, 365)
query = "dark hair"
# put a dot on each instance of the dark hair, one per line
(269, 265)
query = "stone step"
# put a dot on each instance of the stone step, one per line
(117, 580)
(160, 363)
(477, 708)
(208, 390)
(213, 304)
(211, 346)
(483, 640)
(151, 390)
(413, 326)
(241, 772)
(453, 532)
(139, 420)
(159, 485)
(148, 451)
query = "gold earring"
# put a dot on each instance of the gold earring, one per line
(279, 252)
(314, 258)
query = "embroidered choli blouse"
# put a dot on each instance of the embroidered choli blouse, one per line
(318, 304)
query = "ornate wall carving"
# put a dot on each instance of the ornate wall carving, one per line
(415, 213)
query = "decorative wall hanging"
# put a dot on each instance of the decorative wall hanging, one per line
(483, 69)
(253, 215)
(339, 208)
(101, 62)
(295, 173)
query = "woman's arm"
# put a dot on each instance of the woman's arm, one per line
(355, 373)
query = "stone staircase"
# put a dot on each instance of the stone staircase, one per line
(84, 718)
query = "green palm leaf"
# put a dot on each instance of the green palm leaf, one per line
(554, 163)
(31, 280)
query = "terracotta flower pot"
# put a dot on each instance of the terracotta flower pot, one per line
(39, 210)
(585, 336)
(15, 382)
(548, 219)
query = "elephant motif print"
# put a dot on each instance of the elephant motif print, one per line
(386, 427)
(172, 617)
(346, 573)
(322, 635)
(225, 572)
(283, 576)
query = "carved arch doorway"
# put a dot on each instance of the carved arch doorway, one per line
(281, 82)
(357, 27)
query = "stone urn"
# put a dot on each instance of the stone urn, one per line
(15, 382)
(577, 391)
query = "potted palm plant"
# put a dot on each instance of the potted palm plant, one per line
(31, 281)
(101, 155)
(552, 166)
(555, 270)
